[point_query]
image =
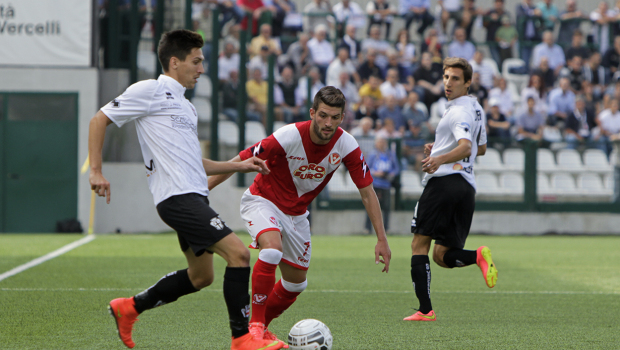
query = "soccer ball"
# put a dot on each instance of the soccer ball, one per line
(310, 334)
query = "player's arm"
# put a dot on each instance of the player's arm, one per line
(463, 150)
(216, 177)
(482, 150)
(371, 203)
(96, 136)
(249, 165)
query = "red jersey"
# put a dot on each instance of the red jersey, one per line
(300, 169)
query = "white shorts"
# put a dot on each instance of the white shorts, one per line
(261, 215)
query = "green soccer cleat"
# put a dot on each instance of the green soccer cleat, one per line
(484, 261)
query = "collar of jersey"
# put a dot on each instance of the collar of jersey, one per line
(172, 84)
(456, 101)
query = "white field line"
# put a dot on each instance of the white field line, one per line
(47, 257)
(320, 291)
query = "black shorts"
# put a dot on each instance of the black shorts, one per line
(197, 225)
(445, 210)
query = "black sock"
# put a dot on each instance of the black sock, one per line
(421, 277)
(459, 257)
(168, 289)
(237, 297)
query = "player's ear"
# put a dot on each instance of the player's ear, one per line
(174, 62)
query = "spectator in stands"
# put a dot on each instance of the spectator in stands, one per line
(476, 89)
(433, 45)
(529, 27)
(577, 48)
(597, 75)
(230, 99)
(561, 102)
(467, 17)
(460, 47)
(574, 72)
(406, 53)
(369, 67)
(417, 10)
(602, 19)
(284, 96)
(502, 93)
(315, 13)
(345, 12)
(321, 49)
(485, 70)
(536, 89)
(384, 168)
(368, 109)
(264, 39)
(380, 12)
(229, 10)
(506, 38)
(364, 128)
(349, 41)
(418, 132)
(391, 110)
(391, 87)
(349, 90)
(380, 46)
(428, 80)
(611, 93)
(450, 9)
(228, 61)
(302, 87)
(292, 21)
(342, 63)
(609, 121)
(261, 61)
(492, 22)
(570, 22)
(279, 9)
(546, 73)
(394, 63)
(372, 89)
(580, 124)
(256, 8)
(548, 48)
(388, 130)
(549, 13)
(299, 56)
(257, 89)
(530, 123)
(588, 96)
(498, 127)
(611, 58)
(233, 34)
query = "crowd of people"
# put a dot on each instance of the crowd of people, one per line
(394, 88)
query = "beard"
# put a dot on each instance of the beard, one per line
(319, 134)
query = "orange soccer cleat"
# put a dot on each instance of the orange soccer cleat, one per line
(249, 342)
(484, 261)
(125, 314)
(418, 316)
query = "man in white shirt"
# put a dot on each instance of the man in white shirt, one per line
(487, 72)
(227, 62)
(321, 49)
(391, 87)
(375, 42)
(342, 63)
(177, 177)
(446, 207)
(548, 48)
(501, 92)
(461, 47)
(348, 12)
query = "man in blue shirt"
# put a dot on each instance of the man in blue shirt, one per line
(418, 10)
(384, 168)
(561, 102)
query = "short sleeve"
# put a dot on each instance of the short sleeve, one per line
(461, 123)
(264, 149)
(482, 137)
(358, 169)
(134, 103)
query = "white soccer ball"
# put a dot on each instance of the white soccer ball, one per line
(310, 334)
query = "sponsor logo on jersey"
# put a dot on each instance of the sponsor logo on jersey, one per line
(457, 167)
(181, 122)
(169, 96)
(258, 149)
(273, 221)
(310, 172)
(259, 299)
(170, 105)
(296, 158)
(465, 126)
(115, 103)
(334, 159)
(217, 223)
(151, 169)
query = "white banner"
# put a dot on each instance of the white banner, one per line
(45, 32)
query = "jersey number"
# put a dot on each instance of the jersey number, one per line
(478, 116)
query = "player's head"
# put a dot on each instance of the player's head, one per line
(457, 74)
(181, 56)
(326, 113)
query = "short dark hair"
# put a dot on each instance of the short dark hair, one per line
(458, 62)
(330, 96)
(177, 43)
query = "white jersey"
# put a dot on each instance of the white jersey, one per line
(166, 125)
(464, 118)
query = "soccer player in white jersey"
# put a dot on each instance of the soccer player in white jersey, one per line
(302, 158)
(177, 177)
(445, 209)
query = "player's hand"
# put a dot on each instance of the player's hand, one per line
(428, 148)
(100, 185)
(430, 165)
(254, 164)
(382, 250)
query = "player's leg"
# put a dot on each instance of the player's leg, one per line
(285, 292)
(421, 277)
(264, 273)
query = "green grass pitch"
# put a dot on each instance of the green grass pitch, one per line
(553, 292)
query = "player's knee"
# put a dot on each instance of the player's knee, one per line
(239, 257)
(203, 281)
(295, 287)
(438, 259)
(270, 256)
